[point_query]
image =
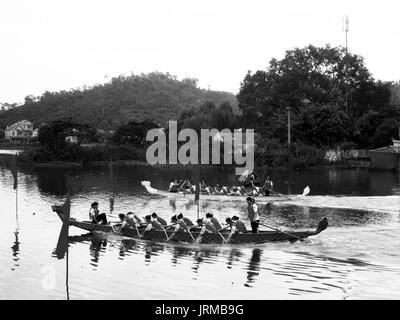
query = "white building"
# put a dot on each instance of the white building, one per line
(22, 130)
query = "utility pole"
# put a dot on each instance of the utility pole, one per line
(290, 154)
(346, 30)
(288, 137)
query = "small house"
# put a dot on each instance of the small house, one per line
(22, 131)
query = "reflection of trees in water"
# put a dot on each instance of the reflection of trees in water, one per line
(52, 181)
(254, 266)
(15, 250)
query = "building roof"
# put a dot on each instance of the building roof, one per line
(20, 125)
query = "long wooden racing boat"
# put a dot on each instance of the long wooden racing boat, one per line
(181, 236)
(221, 197)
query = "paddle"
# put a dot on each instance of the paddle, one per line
(191, 235)
(165, 231)
(222, 237)
(219, 232)
(292, 235)
(184, 182)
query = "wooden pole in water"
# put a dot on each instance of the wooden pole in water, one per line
(66, 275)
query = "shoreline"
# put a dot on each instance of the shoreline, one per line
(139, 163)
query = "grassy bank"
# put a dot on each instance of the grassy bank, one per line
(270, 154)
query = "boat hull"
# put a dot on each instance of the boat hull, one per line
(216, 238)
(215, 197)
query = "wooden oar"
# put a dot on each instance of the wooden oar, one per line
(188, 230)
(181, 186)
(222, 236)
(292, 235)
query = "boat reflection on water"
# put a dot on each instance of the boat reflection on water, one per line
(99, 243)
(97, 246)
(253, 267)
(15, 250)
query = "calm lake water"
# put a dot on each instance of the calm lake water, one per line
(357, 257)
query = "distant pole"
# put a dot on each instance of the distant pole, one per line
(289, 137)
(290, 153)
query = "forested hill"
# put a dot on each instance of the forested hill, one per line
(156, 96)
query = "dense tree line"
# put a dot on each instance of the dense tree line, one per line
(314, 82)
(155, 96)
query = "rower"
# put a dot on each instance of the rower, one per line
(187, 221)
(240, 226)
(253, 179)
(179, 225)
(217, 189)
(151, 224)
(154, 216)
(206, 226)
(210, 218)
(95, 216)
(225, 190)
(173, 186)
(127, 220)
(267, 187)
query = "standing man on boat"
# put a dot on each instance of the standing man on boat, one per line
(253, 214)
(95, 216)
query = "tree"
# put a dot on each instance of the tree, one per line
(208, 116)
(52, 135)
(310, 80)
(323, 125)
(314, 75)
(133, 133)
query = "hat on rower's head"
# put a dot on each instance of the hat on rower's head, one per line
(180, 216)
(130, 212)
(235, 218)
(154, 215)
(209, 215)
(94, 204)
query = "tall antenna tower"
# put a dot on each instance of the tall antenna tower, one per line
(345, 23)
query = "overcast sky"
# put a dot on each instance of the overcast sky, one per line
(62, 44)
